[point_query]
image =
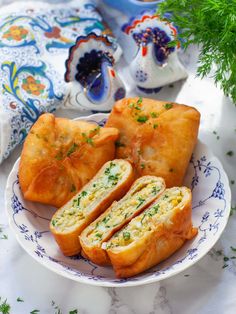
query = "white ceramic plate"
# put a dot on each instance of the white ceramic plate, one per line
(211, 208)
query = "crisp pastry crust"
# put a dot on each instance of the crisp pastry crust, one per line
(110, 183)
(141, 194)
(157, 137)
(60, 156)
(155, 234)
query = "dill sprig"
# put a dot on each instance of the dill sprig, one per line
(211, 24)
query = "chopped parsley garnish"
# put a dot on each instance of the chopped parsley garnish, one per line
(106, 219)
(72, 149)
(142, 165)
(131, 105)
(155, 190)
(140, 100)
(165, 196)
(78, 201)
(119, 144)
(126, 235)
(232, 210)
(153, 114)
(126, 215)
(3, 237)
(230, 153)
(73, 312)
(19, 299)
(142, 119)
(96, 130)
(155, 125)
(141, 201)
(84, 193)
(233, 249)
(98, 235)
(88, 139)
(113, 177)
(73, 188)
(107, 171)
(167, 106)
(34, 312)
(153, 210)
(53, 222)
(59, 155)
(5, 307)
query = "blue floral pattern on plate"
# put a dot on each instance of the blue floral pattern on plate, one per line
(211, 207)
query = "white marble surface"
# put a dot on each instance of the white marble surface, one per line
(206, 287)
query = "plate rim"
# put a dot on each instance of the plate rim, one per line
(91, 281)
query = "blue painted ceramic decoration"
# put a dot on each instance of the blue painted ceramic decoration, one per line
(34, 42)
(90, 67)
(153, 63)
(132, 7)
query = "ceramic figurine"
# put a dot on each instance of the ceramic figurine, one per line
(153, 63)
(94, 82)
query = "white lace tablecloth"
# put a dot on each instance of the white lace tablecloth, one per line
(207, 287)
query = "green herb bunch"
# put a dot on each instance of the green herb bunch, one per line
(212, 25)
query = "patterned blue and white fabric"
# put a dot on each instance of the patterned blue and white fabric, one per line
(34, 42)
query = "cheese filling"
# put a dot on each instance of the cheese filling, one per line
(84, 202)
(147, 221)
(143, 193)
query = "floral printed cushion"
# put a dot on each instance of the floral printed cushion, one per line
(34, 42)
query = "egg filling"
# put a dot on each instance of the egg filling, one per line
(85, 201)
(143, 193)
(147, 221)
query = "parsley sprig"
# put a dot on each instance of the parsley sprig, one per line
(211, 24)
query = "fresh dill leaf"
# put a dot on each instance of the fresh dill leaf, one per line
(73, 312)
(72, 149)
(4, 307)
(211, 24)
(19, 299)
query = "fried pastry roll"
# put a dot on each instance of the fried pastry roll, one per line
(157, 137)
(110, 183)
(154, 235)
(141, 194)
(60, 156)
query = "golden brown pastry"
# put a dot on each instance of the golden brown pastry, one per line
(60, 156)
(154, 235)
(110, 183)
(157, 137)
(142, 193)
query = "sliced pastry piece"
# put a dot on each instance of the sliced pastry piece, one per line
(142, 193)
(153, 235)
(157, 137)
(110, 183)
(60, 156)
